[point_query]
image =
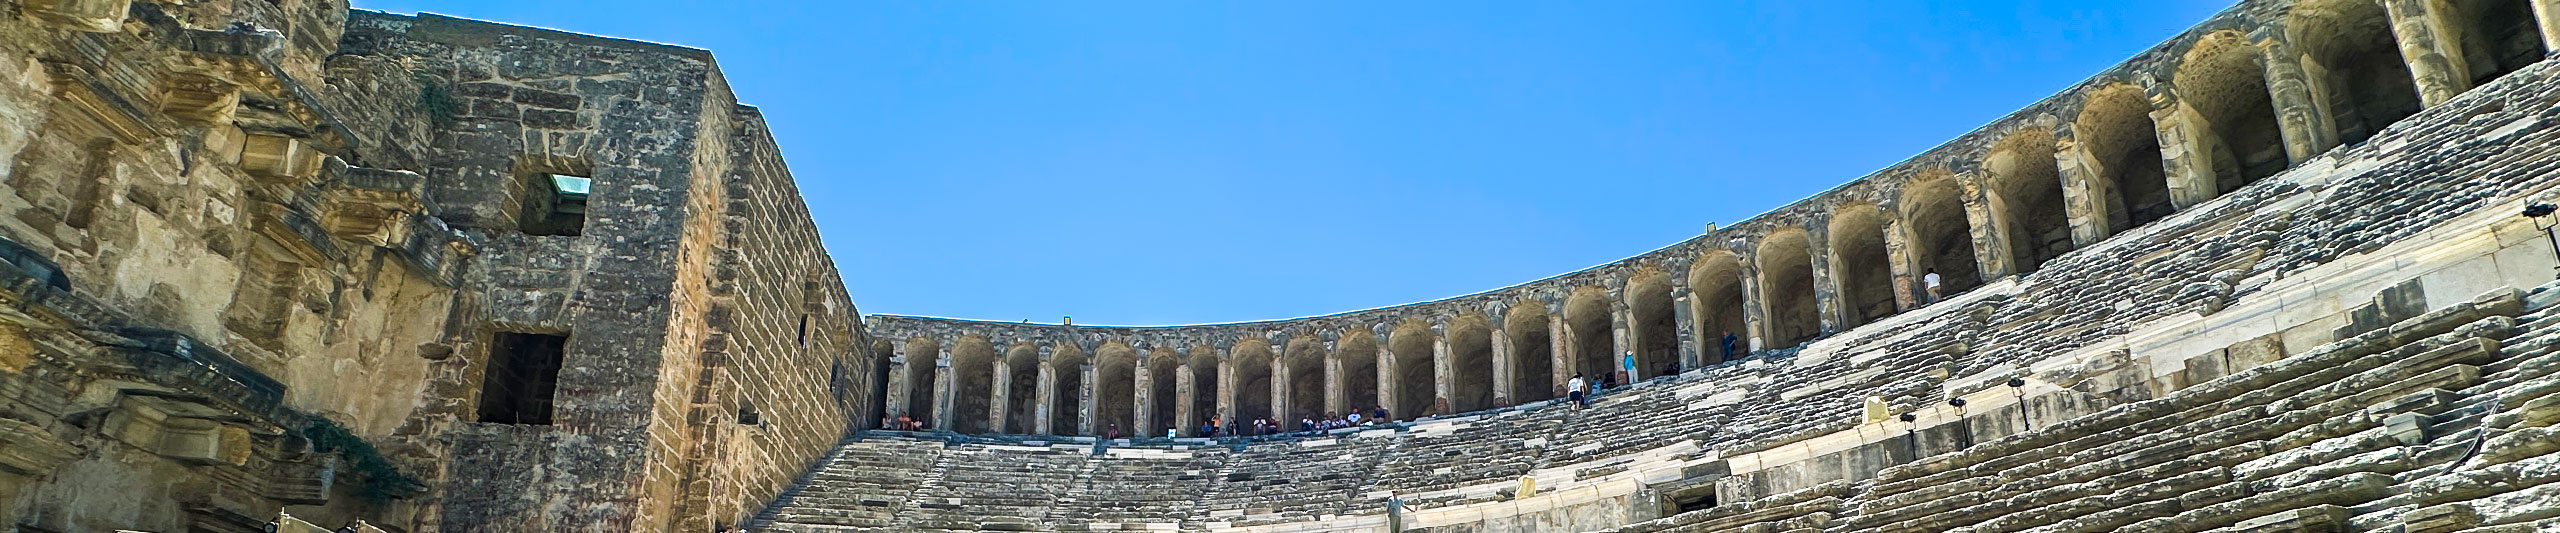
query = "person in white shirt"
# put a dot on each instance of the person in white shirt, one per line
(1573, 391)
(1930, 281)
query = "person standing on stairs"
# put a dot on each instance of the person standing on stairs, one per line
(1573, 391)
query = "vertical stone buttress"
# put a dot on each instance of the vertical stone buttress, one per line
(2084, 200)
(1336, 387)
(1621, 341)
(999, 398)
(899, 383)
(1684, 325)
(1226, 385)
(1283, 378)
(1045, 407)
(943, 383)
(2302, 106)
(2424, 30)
(1897, 258)
(1990, 241)
(1442, 386)
(1186, 391)
(1827, 303)
(1142, 414)
(1386, 375)
(1559, 350)
(1755, 311)
(2185, 140)
(1502, 367)
(1086, 418)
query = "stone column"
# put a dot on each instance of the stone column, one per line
(1442, 387)
(2424, 30)
(1502, 368)
(1990, 238)
(1186, 393)
(1684, 326)
(943, 383)
(1907, 292)
(1143, 412)
(1621, 338)
(899, 388)
(1755, 310)
(2302, 107)
(1827, 303)
(2084, 201)
(1047, 404)
(1386, 375)
(998, 398)
(2185, 139)
(1279, 385)
(1226, 385)
(1337, 390)
(1085, 417)
(2547, 12)
(1559, 351)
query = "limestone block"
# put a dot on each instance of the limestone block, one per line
(199, 98)
(279, 157)
(96, 16)
(2440, 519)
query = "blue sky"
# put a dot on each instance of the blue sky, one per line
(1192, 162)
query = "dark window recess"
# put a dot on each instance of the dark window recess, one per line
(1699, 499)
(747, 415)
(524, 372)
(555, 204)
(804, 330)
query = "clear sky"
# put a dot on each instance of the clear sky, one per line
(1193, 161)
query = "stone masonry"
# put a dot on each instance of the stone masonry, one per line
(283, 264)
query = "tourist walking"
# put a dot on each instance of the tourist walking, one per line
(1731, 342)
(1930, 282)
(1573, 391)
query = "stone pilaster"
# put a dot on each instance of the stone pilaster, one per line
(1503, 369)
(1559, 351)
(1086, 418)
(1186, 393)
(1227, 385)
(1046, 405)
(943, 383)
(2185, 139)
(1685, 326)
(1898, 261)
(1827, 303)
(1621, 338)
(899, 388)
(1755, 308)
(1143, 407)
(2301, 103)
(1990, 236)
(1337, 390)
(2084, 200)
(998, 399)
(2424, 31)
(1442, 388)
(1386, 376)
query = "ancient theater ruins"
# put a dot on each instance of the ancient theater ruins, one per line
(284, 265)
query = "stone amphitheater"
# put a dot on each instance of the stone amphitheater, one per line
(284, 265)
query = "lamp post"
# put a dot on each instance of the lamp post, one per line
(1961, 424)
(2018, 388)
(2542, 219)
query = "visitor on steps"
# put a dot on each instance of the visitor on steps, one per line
(1378, 416)
(1730, 343)
(1355, 418)
(1573, 391)
(1930, 281)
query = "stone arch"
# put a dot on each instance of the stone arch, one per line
(1022, 394)
(1587, 327)
(1716, 303)
(1203, 366)
(1251, 359)
(1941, 236)
(2499, 36)
(1410, 342)
(1532, 352)
(881, 351)
(2221, 79)
(2024, 183)
(1470, 363)
(1654, 333)
(973, 384)
(1164, 369)
(1358, 350)
(1304, 357)
(1115, 388)
(922, 354)
(1860, 264)
(1787, 296)
(2120, 148)
(2349, 53)
(1066, 365)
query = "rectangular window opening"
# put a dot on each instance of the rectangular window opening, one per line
(523, 373)
(555, 204)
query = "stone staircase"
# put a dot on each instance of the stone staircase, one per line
(1295, 481)
(1139, 489)
(862, 486)
(1436, 461)
(993, 487)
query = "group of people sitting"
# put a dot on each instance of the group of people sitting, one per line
(902, 422)
(1266, 426)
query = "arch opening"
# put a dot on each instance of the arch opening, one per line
(2221, 79)
(1022, 392)
(1204, 388)
(1358, 350)
(2500, 37)
(2348, 51)
(1066, 365)
(1470, 363)
(1252, 360)
(1305, 360)
(973, 384)
(1860, 264)
(881, 350)
(1532, 352)
(1164, 371)
(1588, 329)
(1787, 293)
(921, 356)
(1933, 208)
(1656, 336)
(1411, 344)
(1715, 291)
(2128, 182)
(1115, 389)
(2026, 197)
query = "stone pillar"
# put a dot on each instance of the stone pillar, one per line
(1502, 368)
(1442, 388)
(2302, 106)
(1085, 418)
(1226, 385)
(1559, 351)
(1827, 303)
(2185, 140)
(1907, 292)
(1684, 326)
(1755, 310)
(1186, 393)
(2084, 201)
(1990, 238)
(1142, 413)
(1621, 338)
(1279, 385)
(998, 398)
(2547, 12)
(944, 381)
(1386, 375)
(899, 388)
(1337, 390)
(2424, 30)
(1047, 403)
